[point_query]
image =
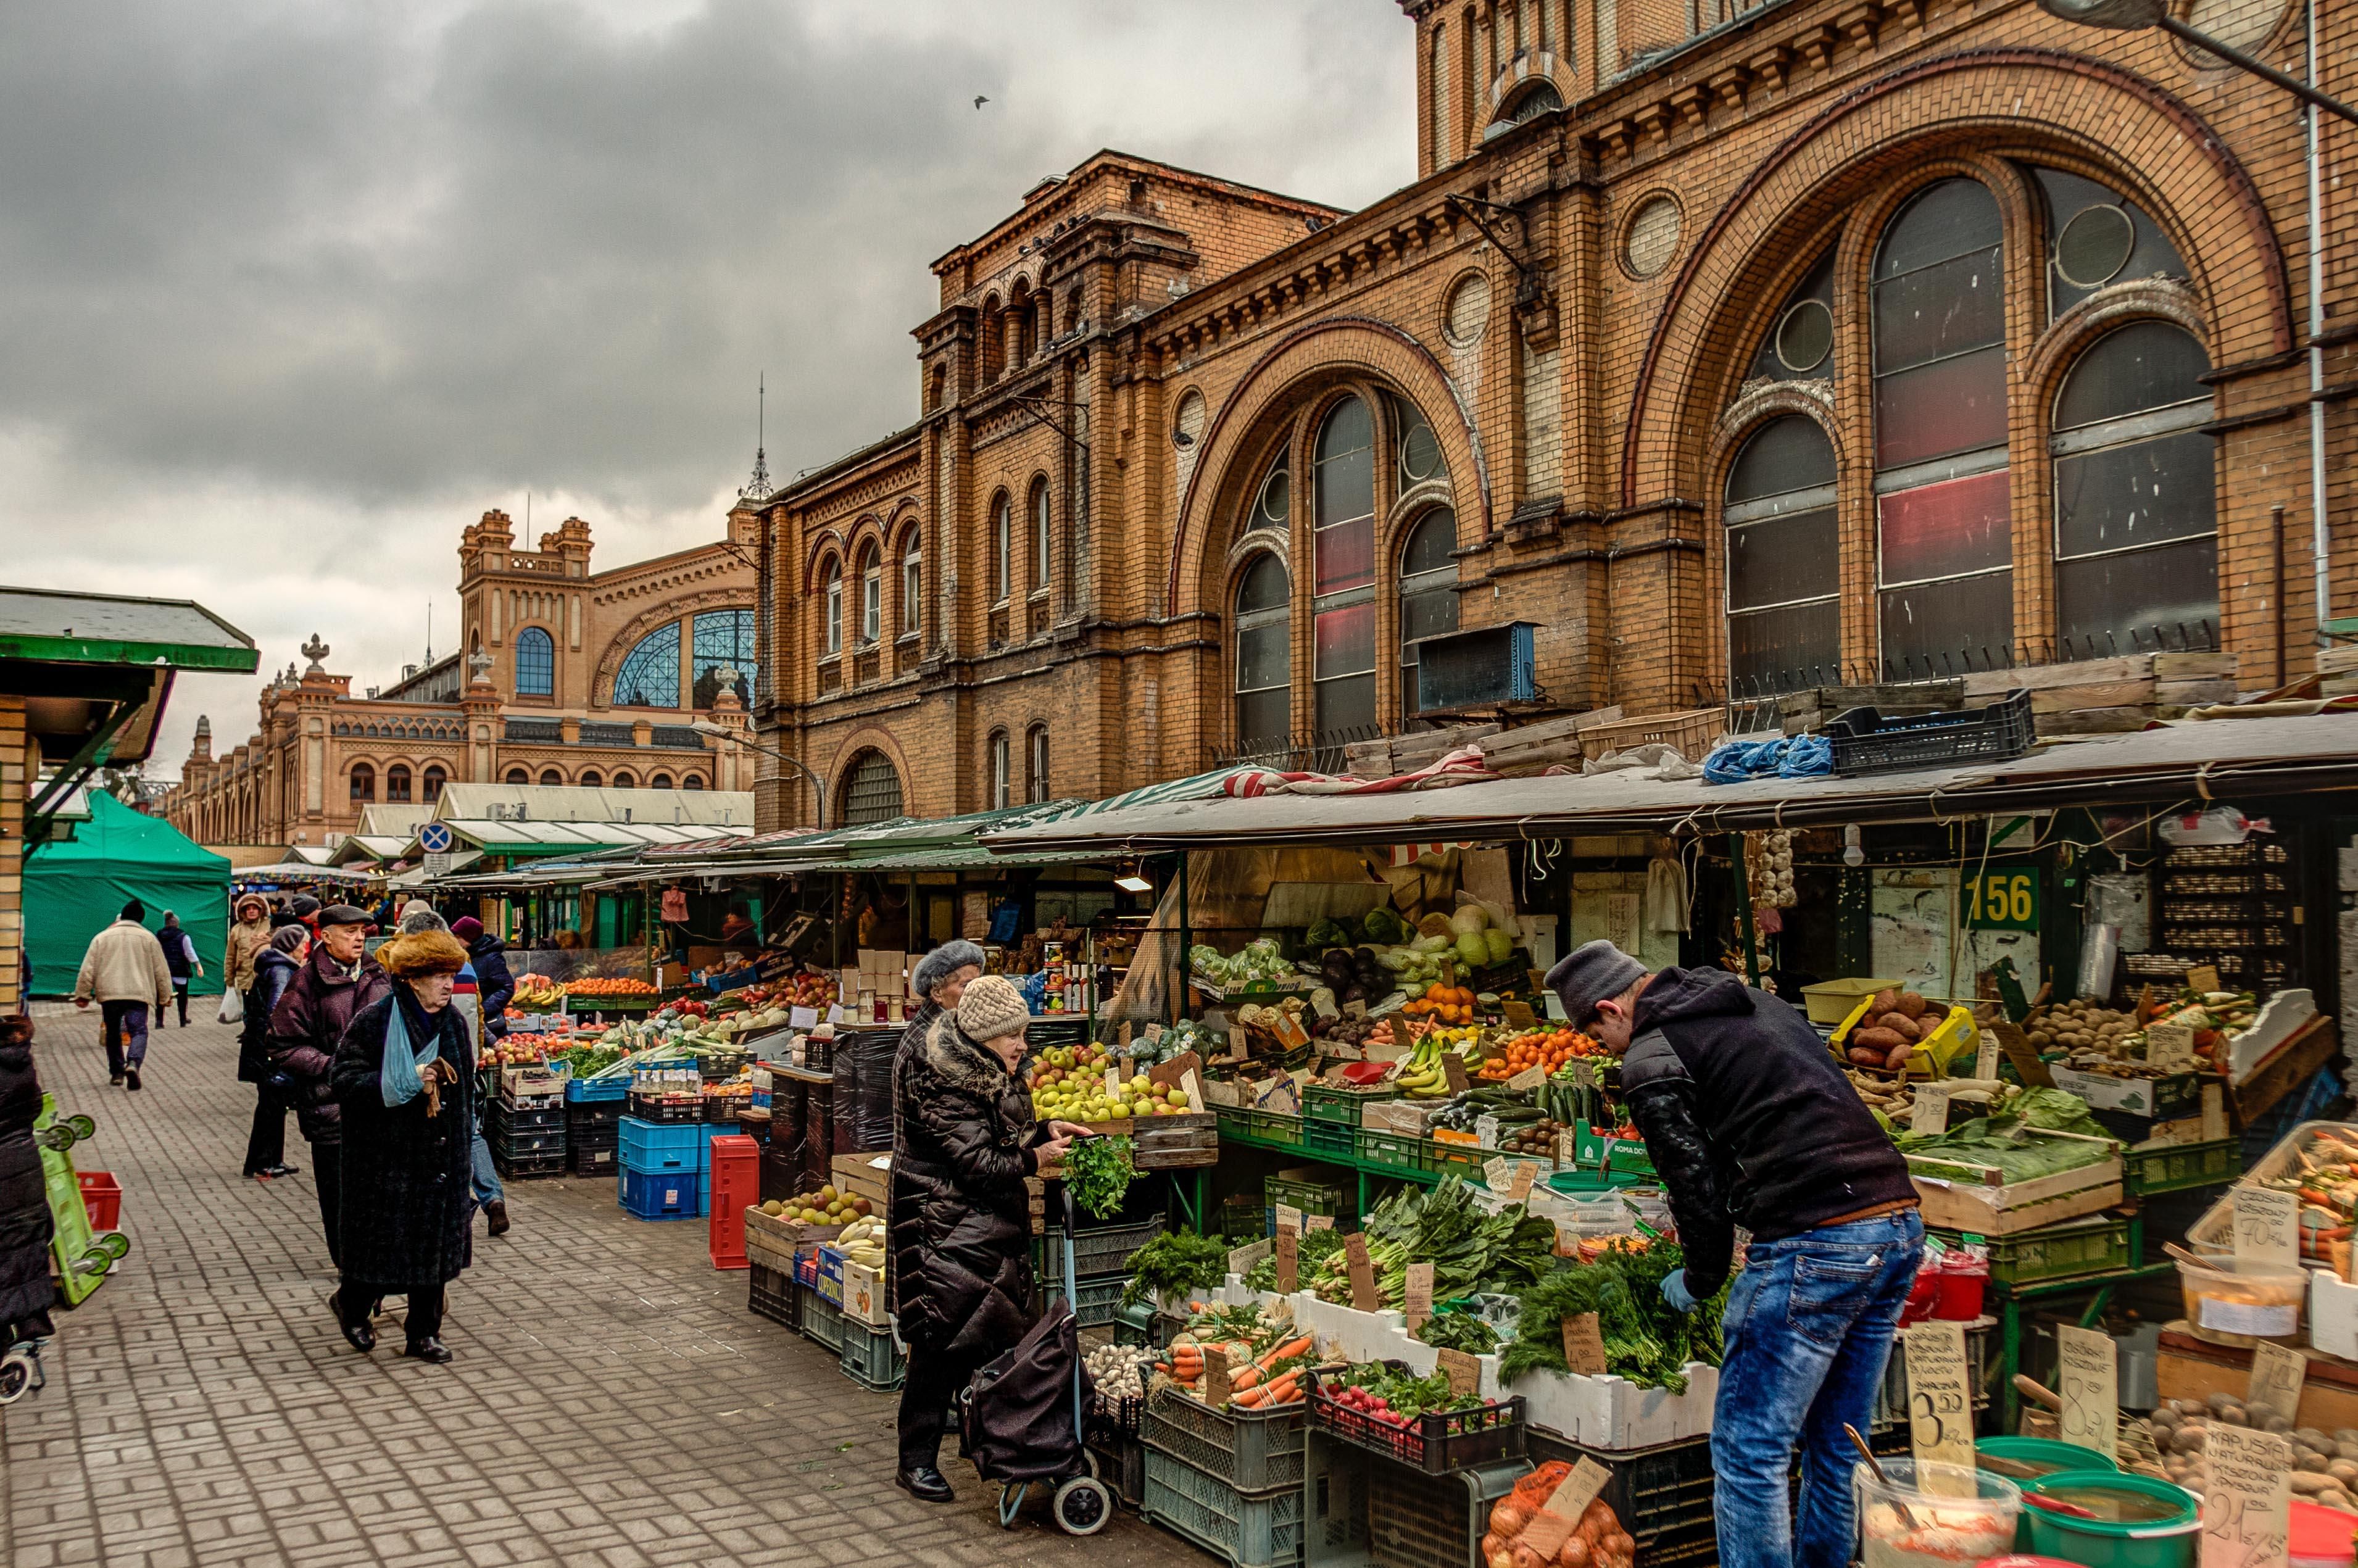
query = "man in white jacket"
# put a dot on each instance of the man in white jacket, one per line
(126, 974)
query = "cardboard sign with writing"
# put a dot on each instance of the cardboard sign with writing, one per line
(1986, 1054)
(802, 1018)
(1289, 1030)
(1237, 1049)
(2168, 1042)
(1519, 1015)
(1940, 1402)
(2203, 977)
(2019, 1051)
(1317, 1222)
(1416, 1304)
(1560, 1514)
(1529, 1078)
(1215, 1376)
(1289, 1261)
(1497, 1172)
(1453, 1072)
(1288, 1218)
(1122, 1037)
(1242, 1259)
(2089, 1383)
(1172, 1074)
(1280, 1096)
(1464, 1373)
(1584, 1345)
(2268, 1225)
(1931, 1113)
(2247, 1509)
(1322, 1002)
(1153, 1032)
(2277, 1375)
(1363, 1273)
(1519, 1177)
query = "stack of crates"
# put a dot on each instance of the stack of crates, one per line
(1100, 1263)
(1228, 1480)
(662, 1170)
(593, 1124)
(526, 1125)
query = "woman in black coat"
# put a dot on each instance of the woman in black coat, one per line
(25, 1292)
(276, 966)
(407, 1211)
(961, 1217)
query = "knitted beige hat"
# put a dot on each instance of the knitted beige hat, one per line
(993, 1006)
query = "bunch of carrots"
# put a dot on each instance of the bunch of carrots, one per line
(1272, 1377)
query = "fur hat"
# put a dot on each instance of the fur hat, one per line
(942, 963)
(421, 953)
(993, 1006)
(255, 902)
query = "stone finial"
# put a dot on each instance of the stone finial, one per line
(315, 651)
(479, 664)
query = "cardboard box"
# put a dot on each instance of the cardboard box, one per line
(863, 1294)
(2166, 1099)
(829, 1284)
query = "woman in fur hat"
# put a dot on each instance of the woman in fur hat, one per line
(405, 1075)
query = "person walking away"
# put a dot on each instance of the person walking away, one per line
(1748, 1121)
(179, 957)
(275, 968)
(405, 1075)
(335, 982)
(25, 1292)
(487, 955)
(964, 1140)
(466, 995)
(124, 971)
(248, 935)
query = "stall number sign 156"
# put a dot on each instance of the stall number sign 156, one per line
(2003, 900)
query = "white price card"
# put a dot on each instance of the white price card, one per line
(2277, 1377)
(2247, 1509)
(1931, 1112)
(2268, 1225)
(1289, 1218)
(1940, 1401)
(2090, 1383)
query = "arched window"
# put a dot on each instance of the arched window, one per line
(994, 333)
(1541, 99)
(518, 777)
(591, 779)
(649, 673)
(1343, 572)
(551, 776)
(693, 781)
(871, 595)
(1945, 548)
(1002, 549)
(1018, 326)
(660, 781)
(1273, 505)
(535, 663)
(1419, 451)
(871, 791)
(724, 638)
(622, 780)
(2136, 527)
(1035, 764)
(1784, 621)
(1264, 670)
(435, 779)
(997, 765)
(912, 586)
(1039, 531)
(364, 782)
(835, 607)
(397, 784)
(1427, 591)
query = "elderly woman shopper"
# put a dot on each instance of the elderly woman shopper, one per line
(964, 1142)
(405, 1075)
(246, 939)
(25, 1292)
(271, 971)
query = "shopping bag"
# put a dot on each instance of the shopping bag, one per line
(232, 1007)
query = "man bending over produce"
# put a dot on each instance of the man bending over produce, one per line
(1749, 1121)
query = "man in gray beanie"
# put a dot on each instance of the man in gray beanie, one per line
(1749, 1120)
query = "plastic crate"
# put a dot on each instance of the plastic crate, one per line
(527, 1142)
(1260, 1125)
(1866, 743)
(597, 1091)
(585, 1161)
(1295, 1190)
(1435, 1443)
(822, 1320)
(1095, 1254)
(1249, 1531)
(2181, 1167)
(660, 1147)
(1255, 1451)
(1362, 1511)
(1096, 1301)
(772, 1295)
(1335, 1104)
(503, 1113)
(1241, 1219)
(666, 1112)
(102, 1199)
(670, 1195)
(1120, 1460)
(528, 1167)
(1394, 1152)
(1661, 1496)
(2059, 1252)
(873, 1358)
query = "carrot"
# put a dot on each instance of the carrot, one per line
(1250, 1398)
(1283, 1389)
(1244, 1378)
(1291, 1348)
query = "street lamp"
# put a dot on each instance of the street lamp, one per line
(2131, 16)
(706, 727)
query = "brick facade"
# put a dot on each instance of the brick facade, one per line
(1573, 299)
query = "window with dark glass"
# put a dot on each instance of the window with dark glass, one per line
(1428, 593)
(1419, 451)
(517, 776)
(1784, 619)
(1042, 527)
(624, 781)
(693, 781)
(1944, 553)
(397, 785)
(834, 606)
(660, 781)
(1002, 551)
(364, 782)
(1800, 345)
(649, 674)
(435, 779)
(535, 663)
(551, 776)
(1035, 783)
(723, 637)
(872, 597)
(1264, 674)
(912, 586)
(998, 769)
(2137, 527)
(871, 791)
(1343, 572)
(591, 779)
(2096, 237)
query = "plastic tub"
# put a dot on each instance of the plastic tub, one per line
(2320, 1536)
(1961, 1291)
(2044, 1453)
(2240, 1301)
(1972, 1518)
(2165, 1542)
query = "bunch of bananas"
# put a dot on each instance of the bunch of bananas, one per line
(1421, 1076)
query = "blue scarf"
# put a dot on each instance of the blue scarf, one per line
(398, 1078)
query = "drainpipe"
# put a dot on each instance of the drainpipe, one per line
(2320, 544)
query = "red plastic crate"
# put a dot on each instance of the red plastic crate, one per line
(736, 1184)
(101, 1198)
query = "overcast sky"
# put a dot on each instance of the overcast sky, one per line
(291, 292)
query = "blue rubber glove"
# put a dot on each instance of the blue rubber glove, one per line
(1675, 1291)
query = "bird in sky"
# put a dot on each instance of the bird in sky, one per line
(979, 100)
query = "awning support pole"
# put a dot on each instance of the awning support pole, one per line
(1743, 911)
(1178, 998)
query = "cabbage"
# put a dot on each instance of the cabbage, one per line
(1382, 926)
(1500, 943)
(1475, 951)
(1432, 944)
(1469, 918)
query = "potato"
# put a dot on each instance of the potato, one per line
(1912, 1004)
(1898, 1057)
(2041, 1037)
(1885, 1001)
(1880, 1041)
(2308, 1481)
(1866, 1056)
(2345, 1450)
(2342, 1470)
(2277, 1423)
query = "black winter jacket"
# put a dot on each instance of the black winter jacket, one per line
(961, 1231)
(25, 1224)
(273, 971)
(408, 1206)
(489, 954)
(1748, 1119)
(305, 1026)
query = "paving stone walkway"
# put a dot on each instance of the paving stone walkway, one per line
(612, 1402)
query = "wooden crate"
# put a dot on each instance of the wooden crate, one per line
(857, 1174)
(1691, 733)
(785, 1234)
(1990, 1205)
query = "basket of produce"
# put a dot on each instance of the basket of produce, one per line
(1384, 1407)
(1444, 1225)
(1517, 1532)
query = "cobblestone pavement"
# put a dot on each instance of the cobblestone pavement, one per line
(612, 1402)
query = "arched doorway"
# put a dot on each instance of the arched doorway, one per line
(871, 791)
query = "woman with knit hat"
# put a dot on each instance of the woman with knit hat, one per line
(961, 1231)
(405, 1075)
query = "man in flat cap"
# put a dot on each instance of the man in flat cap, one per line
(335, 982)
(1749, 1120)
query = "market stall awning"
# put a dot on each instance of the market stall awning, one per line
(2216, 759)
(297, 871)
(532, 838)
(902, 844)
(367, 849)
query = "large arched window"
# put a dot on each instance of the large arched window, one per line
(397, 785)
(871, 595)
(1041, 529)
(997, 762)
(1002, 549)
(591, 779)
(660, 781)
(1945, 550)
(912, 586)
(693, 781)
(649, 673)
(623, 779)
(724, 638)
(834, 606)
(1264, 670)
(364, 782)
(1784, 619)
(1428, 593)
(1343, 572)
(871, 791)
(435, 779)
(2136, 527)
(535, 663)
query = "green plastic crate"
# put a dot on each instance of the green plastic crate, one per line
(1328, 1102)
(822, 1319)
(1251, 1452)
(1250, 1532)
(1096, 1303)
(1271, 1127)
(872, 1357)
(2060, 1251)
(1394, 1152)
(2181, 1167)
(1310, 1197)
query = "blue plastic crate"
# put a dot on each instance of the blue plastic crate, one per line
(662, 1195)
(597, 1091)
(656, 1148)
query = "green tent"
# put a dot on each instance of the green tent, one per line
(76, 888)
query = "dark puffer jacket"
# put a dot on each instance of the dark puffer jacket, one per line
(305, 1027)
(273, 971)
(961, 1230)
(24, 1227)
(489, 955)
(408, 1209)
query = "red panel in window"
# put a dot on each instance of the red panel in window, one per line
(1941, 530)
(1346, 640)
(1346, 555)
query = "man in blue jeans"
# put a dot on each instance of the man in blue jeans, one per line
(1749, 1122)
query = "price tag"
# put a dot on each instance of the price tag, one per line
(1986, 1054)
(1941, 1404)
(2247, 1509)
(1584, 1345)
(1520, 1179)
(1363, 1273)
(2168, 1042)
(1317, 1222)
(2277, 1375)
(1931, 1113)
(1529, 1078)
(1289, 1261)
(1496, 1172)
(802, 1018)
(1417, 1293)
(1288, 1218)
(2268, 1225)
(1153, 1032)
(1122, 1037)
(1289, 1031)
(1215, 1376)
(1192, 1089)
(1236, 1046)
(1560, 1514)
(1519, 1015)
(1453, 1072)
(2091, 1385)
(1242, 1259)
(2203, 977)
(1464, 1373)
(1113, 1081)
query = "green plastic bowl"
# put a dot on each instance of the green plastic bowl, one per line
(1588, 1184)
(2100, 1544)
(2047, 1451)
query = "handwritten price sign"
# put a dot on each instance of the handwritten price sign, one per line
(2246, 1515)
(2090, 1383)
(1940, 1402)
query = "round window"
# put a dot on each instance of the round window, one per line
(1653, 236)
(1468, 312)
(1276, 494)
(2093, 246)
(1805, 337)
(1420, 453)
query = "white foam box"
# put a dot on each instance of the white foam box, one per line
(2332, 1315)
(1614, 1414)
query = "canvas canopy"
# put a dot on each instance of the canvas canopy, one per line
(75, 888)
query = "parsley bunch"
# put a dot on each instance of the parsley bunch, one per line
(1097, 1172)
